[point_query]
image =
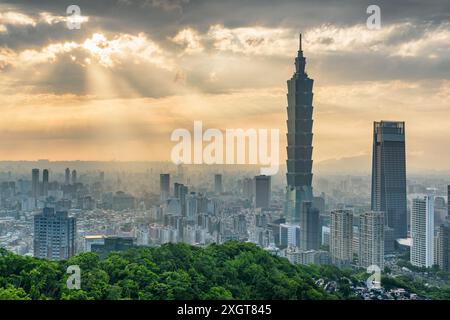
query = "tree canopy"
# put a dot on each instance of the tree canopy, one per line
(233, 270)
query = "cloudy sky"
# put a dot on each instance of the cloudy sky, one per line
(138, 69)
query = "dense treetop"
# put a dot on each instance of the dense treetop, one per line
(233, 270)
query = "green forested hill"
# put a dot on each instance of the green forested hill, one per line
(233, 270)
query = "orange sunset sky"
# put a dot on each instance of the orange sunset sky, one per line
(136, 70)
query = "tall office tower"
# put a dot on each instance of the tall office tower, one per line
(67, 180)
(341, 237)
(371, 239)
(180, 191)
(299, 146)
(74, 176)
(443, 258)
(218, 188)
(54, 235)
(164, 186)
(262, 191)
(309, 225)
(389, 175)
(35, 183)
(422, 231)
(45, 183)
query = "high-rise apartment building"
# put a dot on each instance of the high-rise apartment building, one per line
(341, 237)
(389, 175)
(371, 239)
(422, 231)
(54, 235)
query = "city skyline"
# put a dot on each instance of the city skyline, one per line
(292, 175)
(116, 88)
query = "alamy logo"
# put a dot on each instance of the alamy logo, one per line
(228, 148)
(74, 280)
(374, 20)
(74, 18)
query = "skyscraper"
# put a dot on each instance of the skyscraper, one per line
(309, 236)
(299, 139)
(371, 239)
(299, 153)
(181, 191)
(164, 186)
(67, 178)
(218, 188)
(341, 237)
(35, 183)
(45, 182)
(54, 235)
(74, 176)
(262, 191)
(422, 231)
(191, 206)
(389, 175)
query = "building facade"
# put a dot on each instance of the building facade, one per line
(262, 191)
(443, 256)
(35, 183)
(422, 231)
(310, 233)
(299, 140)
(389, 175)
(54, 235)
(341, 237)
(371, 239)
(164, 186)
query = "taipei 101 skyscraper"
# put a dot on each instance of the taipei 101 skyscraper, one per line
(299, 195)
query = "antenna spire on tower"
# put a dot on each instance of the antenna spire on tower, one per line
(300, 42)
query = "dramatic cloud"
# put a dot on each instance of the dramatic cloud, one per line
(190, 39)
(137, 69)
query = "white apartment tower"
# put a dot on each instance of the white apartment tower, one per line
(341, 237)
(371, 239)
(422, 231)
